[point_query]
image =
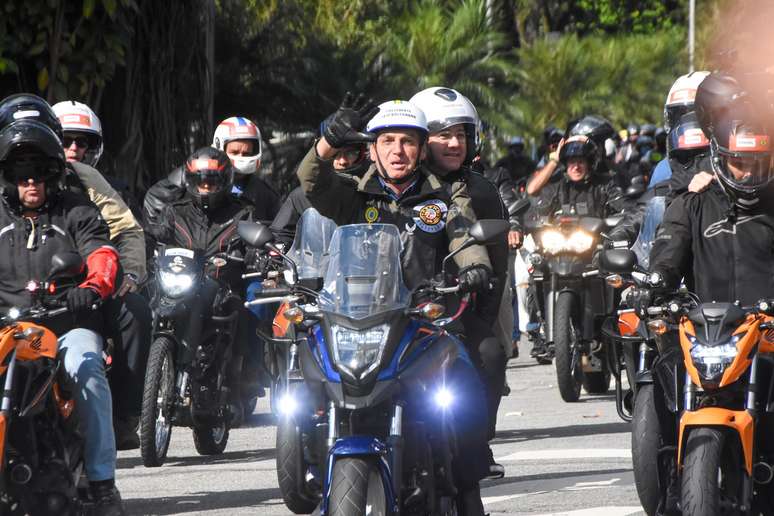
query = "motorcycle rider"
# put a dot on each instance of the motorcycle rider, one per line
(350, 162)
(452, 122)
(205, 219)
(398, 190)
(240, 139)
(131, 331)
(83, 145)
(40, 219)
(518, 165)
(720, 240)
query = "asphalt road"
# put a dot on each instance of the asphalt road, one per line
(560, 458)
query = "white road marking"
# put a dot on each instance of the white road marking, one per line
(587, 453)
(597, 511)
(497, 499)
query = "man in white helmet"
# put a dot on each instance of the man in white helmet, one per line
(398, 190)
(452, 121)
(129, 313)
(240, 139)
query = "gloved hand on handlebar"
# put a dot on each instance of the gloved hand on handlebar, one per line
(639, 299)
(349, 121)
(475, 279)
(81, 299)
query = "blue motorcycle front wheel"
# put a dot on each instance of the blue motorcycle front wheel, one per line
(357, 488)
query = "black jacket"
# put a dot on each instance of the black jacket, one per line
(595, 197)
(725, 254)
(184, 224)
(682, 173)
(71, 222)
(254, 190)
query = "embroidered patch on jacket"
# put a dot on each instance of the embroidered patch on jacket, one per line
(430, 216)
(371, 214)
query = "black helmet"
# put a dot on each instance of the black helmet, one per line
(361, 164)
(593, 126)
(740, 147)
(28, 106)
(686, 140)
(580, 146)
(716, 96)
(212, 167)
(30, 149)
(552, 135)
(648, 130)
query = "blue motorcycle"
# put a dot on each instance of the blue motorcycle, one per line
(374, 419)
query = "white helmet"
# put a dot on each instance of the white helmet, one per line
(78, 117)
(398, 114)
(681, 97)
(239, 128)
(445, 107)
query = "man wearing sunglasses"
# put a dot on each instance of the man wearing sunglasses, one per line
(39, 219)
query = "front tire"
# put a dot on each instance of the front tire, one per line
(211, 439)
(157, 403)
(291, 468)
(712, 472)
(569, 372)
(356, 484)
(646, 441)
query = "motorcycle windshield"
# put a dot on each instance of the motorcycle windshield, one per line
(654, 213)
(310, 245)
(364, 276)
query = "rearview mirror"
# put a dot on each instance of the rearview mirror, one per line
(618, 260)
(66, 265)
(488, 230)
(254, 233)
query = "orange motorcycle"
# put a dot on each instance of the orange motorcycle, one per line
(725, 452)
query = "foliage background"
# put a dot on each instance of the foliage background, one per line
(160, 74)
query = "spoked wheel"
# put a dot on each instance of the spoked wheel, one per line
(357, 488)
(712, 476)
(157, 403)
(211, 439)
(569, 372)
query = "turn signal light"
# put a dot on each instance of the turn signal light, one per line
(294, 315)
(615, 280)
(657, 326)
(433, 311)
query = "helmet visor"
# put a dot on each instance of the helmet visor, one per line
(21, 168)
(439, 125)
(746, 171)
(207, 181)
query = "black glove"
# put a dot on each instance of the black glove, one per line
(347, 124)
(640, 299)
(474, 279)
(81, 299)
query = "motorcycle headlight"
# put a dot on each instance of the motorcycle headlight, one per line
(358, 352)
(552, 241)
(579, 242)
(175, 285)
(712, 361)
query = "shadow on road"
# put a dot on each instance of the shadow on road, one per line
(525, 434)
(198, 502)
(224, 458)
(553, 476)
(259, 420)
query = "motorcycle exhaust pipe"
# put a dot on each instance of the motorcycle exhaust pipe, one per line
(21, 474)
(763, 473)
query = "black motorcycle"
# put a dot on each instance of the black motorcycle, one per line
(575, 301)
(191, 372)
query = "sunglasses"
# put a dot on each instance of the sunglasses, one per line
(80, 141)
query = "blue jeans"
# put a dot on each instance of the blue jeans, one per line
(81, 353)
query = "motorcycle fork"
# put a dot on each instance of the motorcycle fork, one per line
(395, 445)
(5, 407)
